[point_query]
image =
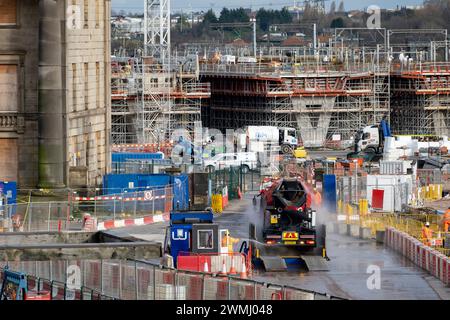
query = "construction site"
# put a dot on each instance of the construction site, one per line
(315, 167)
(327, 91)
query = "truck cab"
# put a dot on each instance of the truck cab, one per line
(367, 139)
(288, 139)
(371, 138)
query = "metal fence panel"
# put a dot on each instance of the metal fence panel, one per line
(242, 290)
(136, 280)
(110, 278)
(189, 286)
(128, 280)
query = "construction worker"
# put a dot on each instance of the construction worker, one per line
(17, 222)
(427, 234)
(317, 198)
(446, 220)
(228, 241)
(86, 217)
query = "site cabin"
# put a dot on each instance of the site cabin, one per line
(194, 242)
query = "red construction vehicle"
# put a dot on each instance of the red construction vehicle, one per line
(289, 229)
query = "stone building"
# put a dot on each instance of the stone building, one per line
(54, 92)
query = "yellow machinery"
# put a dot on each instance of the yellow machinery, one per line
(300, 153)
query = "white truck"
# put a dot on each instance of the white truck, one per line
(247, 160)
(376, 142)
(228, 59)
(260, 138)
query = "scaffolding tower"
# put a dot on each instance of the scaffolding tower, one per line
(154, 120)
(138, 117)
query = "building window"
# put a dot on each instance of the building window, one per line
(8, 12)
(86, 85)
(97, 82)
(205, 239)
(74, 86)
(97, 13)
(86, 14)
(9, 88)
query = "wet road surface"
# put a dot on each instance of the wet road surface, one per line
(350, 266)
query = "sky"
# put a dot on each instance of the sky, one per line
(199, 5)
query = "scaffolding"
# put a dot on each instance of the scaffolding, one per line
(327, 93)
(141, 96)
(421, 99)
(325, 96)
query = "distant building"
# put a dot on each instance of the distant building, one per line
(127, 24)
(294, 42)
(54, 92)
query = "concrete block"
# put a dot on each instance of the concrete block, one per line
(365, 233)
(331, 227)
(354, 230)
(349, 231)
(380, 236)
(341, 228)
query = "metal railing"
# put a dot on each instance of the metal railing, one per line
(68, 215)
(141, 280)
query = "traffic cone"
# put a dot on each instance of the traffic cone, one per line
(224, 268)
(205, 267)
(244, 270)
(232, 269)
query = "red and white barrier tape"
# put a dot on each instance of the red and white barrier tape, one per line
(96, 198)
(119, 198)
(112, 224)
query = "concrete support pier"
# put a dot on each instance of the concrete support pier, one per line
(51, 95)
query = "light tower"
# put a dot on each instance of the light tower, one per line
(156, 101)
(157, 28)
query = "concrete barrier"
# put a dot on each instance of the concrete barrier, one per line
(380, 236)
(87, 251)
(354, 230)
(365, 233)
(349, 230)
(14, 238)
(342, 228)
(331, 227)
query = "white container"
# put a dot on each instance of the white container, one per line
(246, 60)
(263, 133)
(228, 59)
(397, 190)
(394, 167)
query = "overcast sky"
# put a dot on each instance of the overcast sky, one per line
(198, 5)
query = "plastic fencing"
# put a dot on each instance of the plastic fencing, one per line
(138, 280)
(427, 258)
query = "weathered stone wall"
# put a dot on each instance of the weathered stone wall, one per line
(78, 125)
(19, 47)
(88, 82)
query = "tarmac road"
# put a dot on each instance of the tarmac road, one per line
(350, 260)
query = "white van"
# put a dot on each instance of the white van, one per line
(248, 160)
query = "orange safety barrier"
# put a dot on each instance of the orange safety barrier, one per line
(237, 263)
